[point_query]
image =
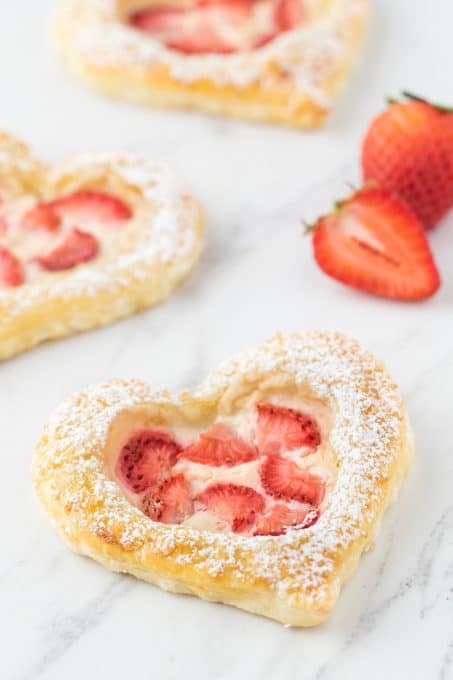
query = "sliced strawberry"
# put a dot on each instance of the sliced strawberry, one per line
(235, 504)
(373, 242)
(219, 446)
(281, 517)
(282, 478)
(206, 42)
(170, 501)
(42, 216)
(157, 18)
(263, 40)
(146, 459)
(89, 204)
(282, 429)
(11, 272)
(202, 28)
(288, 14)
(77, 247)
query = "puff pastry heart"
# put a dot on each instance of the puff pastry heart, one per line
(274, 60)
(261, 489)
(87, 241)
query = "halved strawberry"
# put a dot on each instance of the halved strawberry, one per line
(288, 14)
(11, 272)
(219, 446)
(41, 216)
(146, 459)
(77, 247)
(90, 204)
(282, 429)
(238, 505)
(282, 478)
(170, 501)
(373, 242)
(281, 518)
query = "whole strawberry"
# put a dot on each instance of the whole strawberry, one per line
(373, 242)
(408, 150)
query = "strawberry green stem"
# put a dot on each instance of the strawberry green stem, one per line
(416, 98)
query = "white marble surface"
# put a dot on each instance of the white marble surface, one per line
(62, 616)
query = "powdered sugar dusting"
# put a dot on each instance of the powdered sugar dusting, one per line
(96, 30)
(365, 439)
(171, 218)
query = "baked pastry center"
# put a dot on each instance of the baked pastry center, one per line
(257, 472)
(218, 26)
(39, 237)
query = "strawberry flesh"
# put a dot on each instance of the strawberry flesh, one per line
(11, 272)
(77, 247)
(169, 501)
(283, 479)
(282, 517)
(88, 204)
(219, 446)
(373, 242)
(218, 26)
(42, 216)
(146, 459)
(288, 14)
(237, 505)
(283, 429)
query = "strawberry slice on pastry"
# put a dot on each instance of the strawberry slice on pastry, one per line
(76, 248)
(11, 272)
(219, 446)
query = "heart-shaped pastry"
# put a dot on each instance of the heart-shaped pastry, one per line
(261, 489)
(88, 241)
(275, 60)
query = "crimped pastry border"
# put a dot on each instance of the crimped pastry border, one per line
(96, 294)
(294, 80)
(295, 578)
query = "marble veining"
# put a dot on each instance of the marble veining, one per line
(63, 616)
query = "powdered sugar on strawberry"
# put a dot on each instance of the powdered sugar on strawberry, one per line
(228, 481)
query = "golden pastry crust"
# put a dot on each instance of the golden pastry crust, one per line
(293, 80)
(294, 578)
(142, 274)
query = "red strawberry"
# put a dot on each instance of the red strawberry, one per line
(170, 501)
(408, 150)
(42, 216)
(282, 517)
(197, 29)
(373, 242)
(78, 246)
(283, 479)
(282, 429)
(288, 14)
(237, 505)
(219, 446)
(11, 272)
(146, 459)
(206, 42)
(89, 204)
